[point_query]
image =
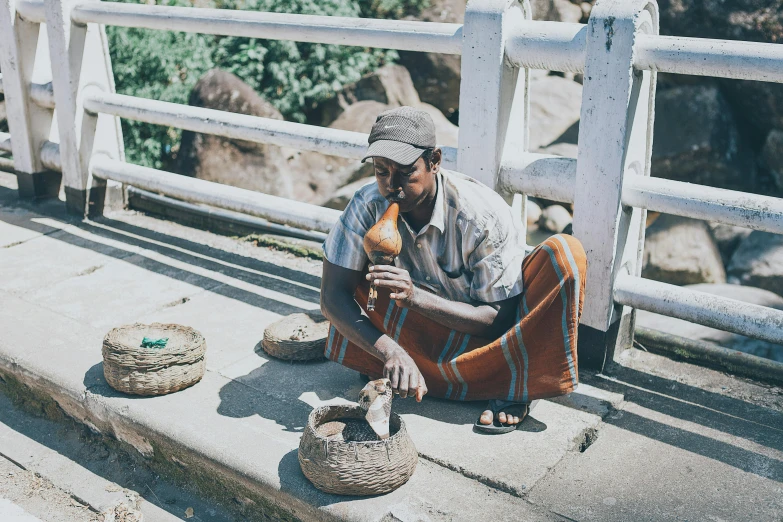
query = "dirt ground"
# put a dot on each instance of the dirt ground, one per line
(41, 498)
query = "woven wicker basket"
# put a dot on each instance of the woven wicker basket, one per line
(297, 337)
(129, 368)
(355, 468)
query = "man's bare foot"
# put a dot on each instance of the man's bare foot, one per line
(514, 415)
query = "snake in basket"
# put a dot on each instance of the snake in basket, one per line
(376, 401)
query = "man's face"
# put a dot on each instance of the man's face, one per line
(409, 185)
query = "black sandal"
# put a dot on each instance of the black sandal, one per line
(496, 406)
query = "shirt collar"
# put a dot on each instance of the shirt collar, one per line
(438, 219)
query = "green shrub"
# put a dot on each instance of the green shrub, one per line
(294, 77)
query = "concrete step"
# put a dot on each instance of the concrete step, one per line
(236, 433)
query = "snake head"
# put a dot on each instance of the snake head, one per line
(372, 391)
(375, 399)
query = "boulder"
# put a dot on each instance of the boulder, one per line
(567, 150)
(437, 76)
(555, 105)
(533, 213)
(728, 238)
(758, 261)
(239, 163)
(730, 340)
(390, 85)
(305, 176)
(360, 117)
(772, 155)
(556, 11)
(555, 218)
(754, 20)
(681, 251)
(696, 140)
(344, 194)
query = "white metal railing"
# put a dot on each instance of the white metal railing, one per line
(335, 142)
(619, 51)
(402, 35)
(719, 312)
(285, 211)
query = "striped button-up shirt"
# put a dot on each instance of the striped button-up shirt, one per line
(469, 251)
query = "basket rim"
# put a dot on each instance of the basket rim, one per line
(402, 432)
(196, 342)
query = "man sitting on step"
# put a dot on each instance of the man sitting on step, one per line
(462, 314)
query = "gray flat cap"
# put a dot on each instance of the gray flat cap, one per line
(401, 134)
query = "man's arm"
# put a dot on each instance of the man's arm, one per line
(484, 320)
(338, 285)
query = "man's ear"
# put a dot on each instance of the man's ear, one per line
(437, 157)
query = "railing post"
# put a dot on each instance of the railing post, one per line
(80, 63)
(493, 95)
(615, 137)
(24, 59)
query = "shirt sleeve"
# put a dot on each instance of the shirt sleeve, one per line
(496, 262)
(344, 246)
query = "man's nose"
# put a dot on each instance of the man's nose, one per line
(395, 182)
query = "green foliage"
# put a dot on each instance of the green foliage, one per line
(160, 65)
(391, 8)
(294, 77)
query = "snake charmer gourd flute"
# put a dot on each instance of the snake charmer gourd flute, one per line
(383, 243)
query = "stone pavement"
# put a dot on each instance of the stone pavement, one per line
(653, 440)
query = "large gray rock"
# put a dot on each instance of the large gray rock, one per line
(555, 105)
(567, 150)
(360, 117)
(772, 154)
(728, 238)
(681, 251)
(555, 218)
(754, 20)
(305, 176)
(727, 339)
(344, 194)
(758, 261)
(532, 213)
(437, 76)
(390, 85)
(696, 140)
(556, 11)
(242, 164)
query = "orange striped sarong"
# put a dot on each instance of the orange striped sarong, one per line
(535, 359)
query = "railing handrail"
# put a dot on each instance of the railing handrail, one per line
(404, 35)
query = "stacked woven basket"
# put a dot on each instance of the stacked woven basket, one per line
(131, 368)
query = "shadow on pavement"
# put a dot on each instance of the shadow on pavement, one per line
(259, 273)
(723, 414)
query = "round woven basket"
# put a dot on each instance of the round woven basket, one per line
(130, 368)
(297, 337)
(356, 468)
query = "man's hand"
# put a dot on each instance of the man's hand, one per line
(404, 375)
(397, 280)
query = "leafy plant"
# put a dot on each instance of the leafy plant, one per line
(160, 65)
(294, 77)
